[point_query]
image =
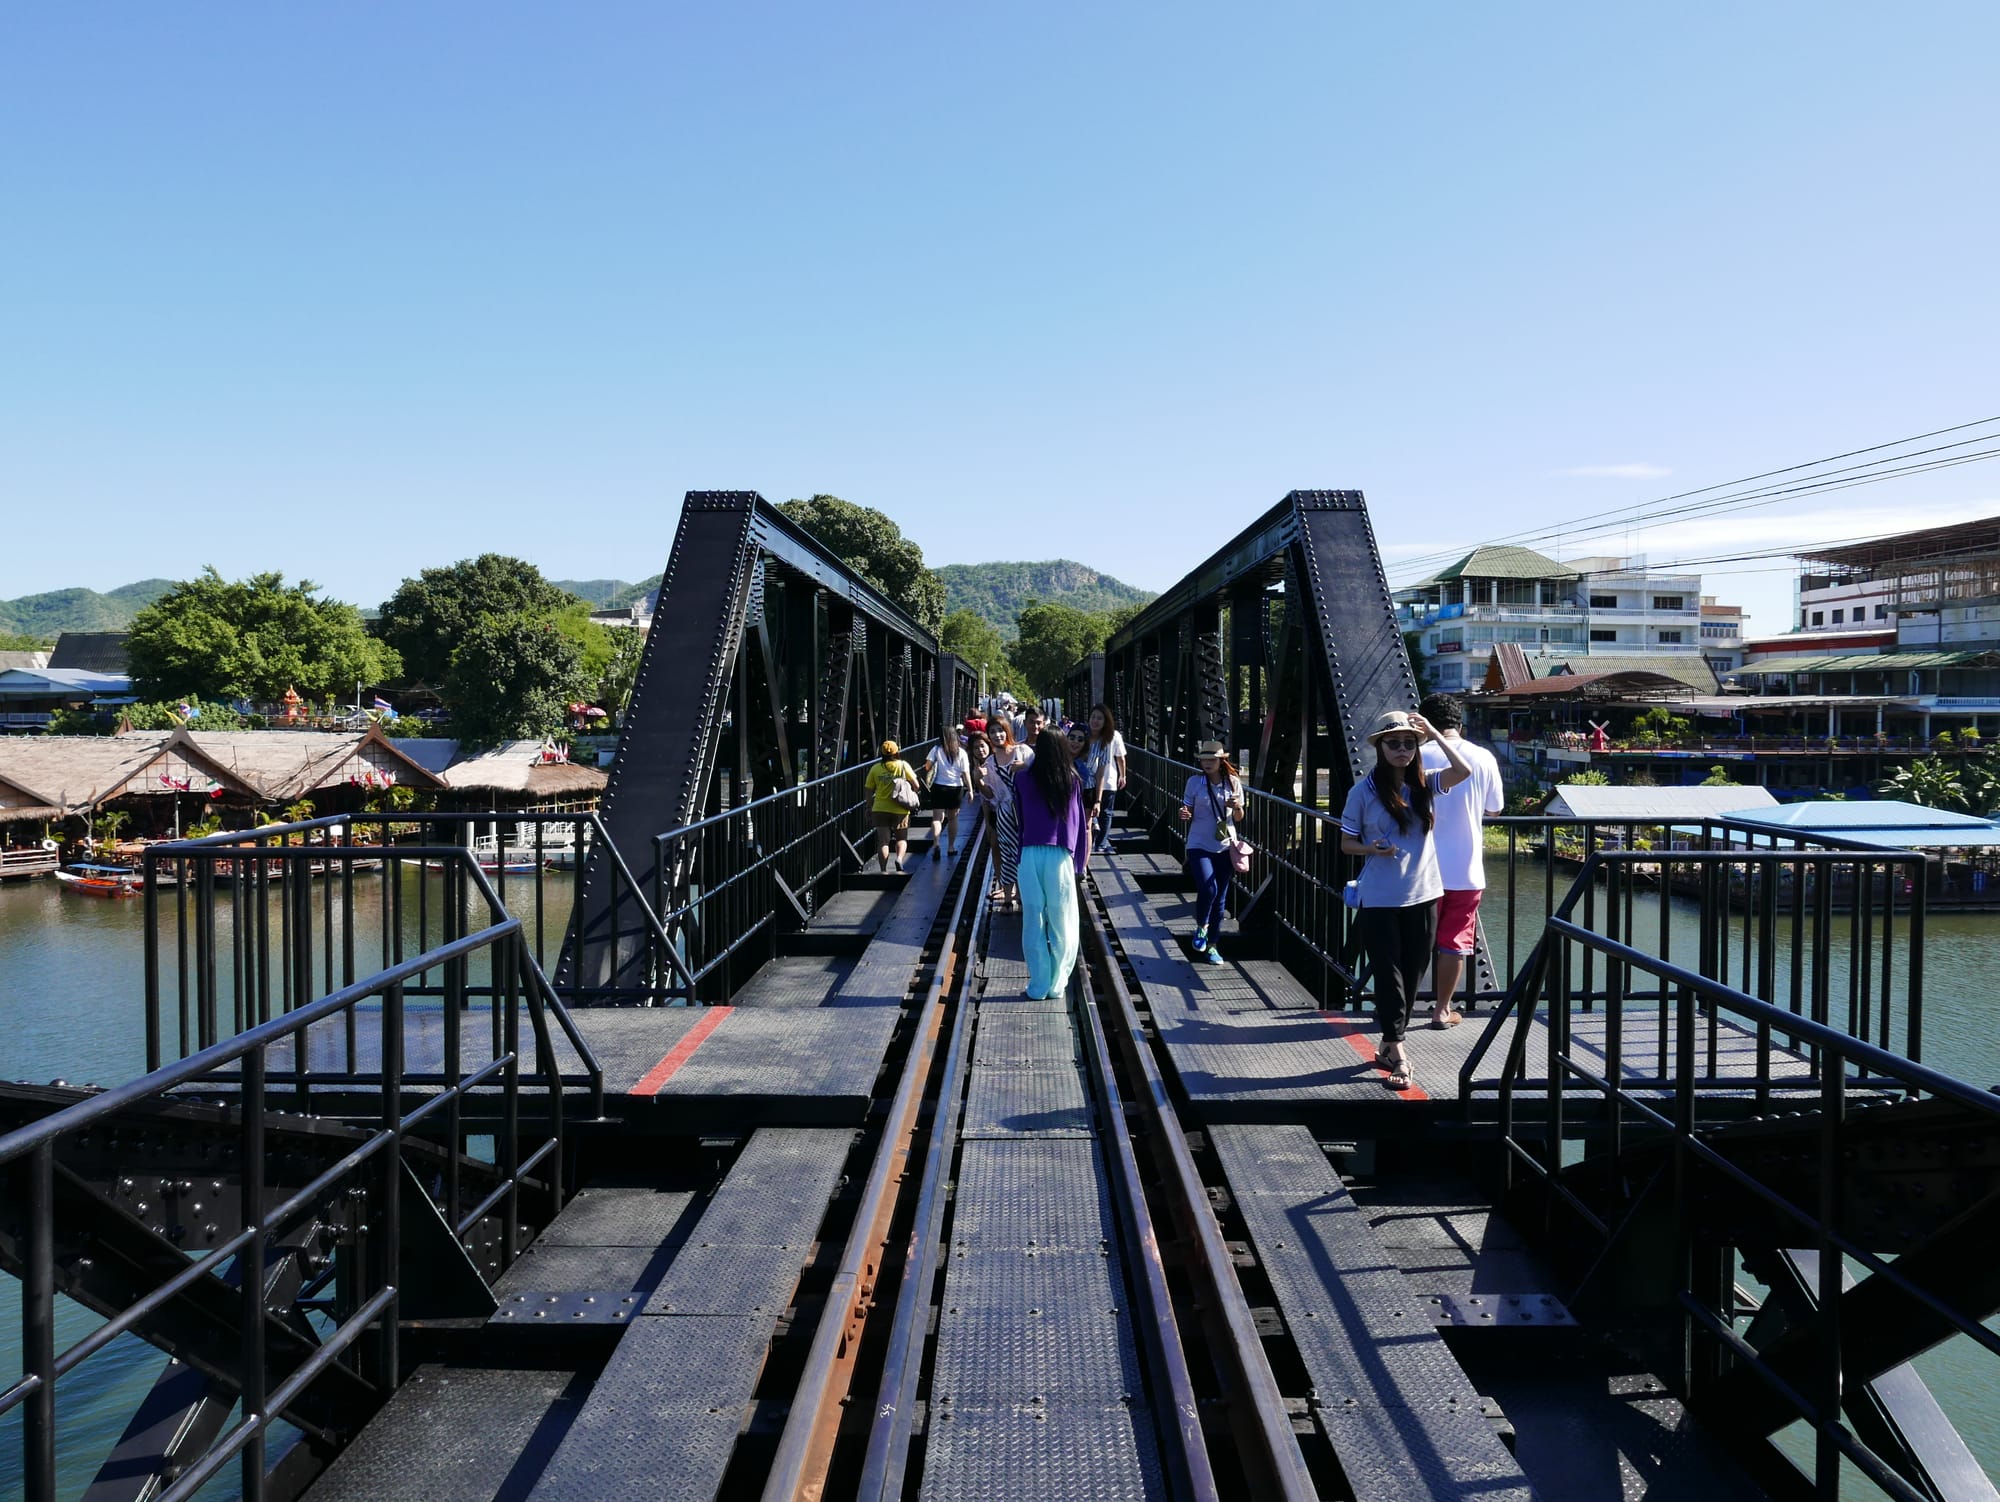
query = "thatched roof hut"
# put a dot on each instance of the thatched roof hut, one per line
(284, 766)
(512, 774)
(73, 774)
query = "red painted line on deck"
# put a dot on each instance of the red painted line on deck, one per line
(651, 1081)
(1363, 1043)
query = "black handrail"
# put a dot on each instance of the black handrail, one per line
(772, 860)
(31, 1152)
(1610, 875)
(1836, 1055)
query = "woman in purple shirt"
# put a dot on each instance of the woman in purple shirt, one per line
(1055, 848)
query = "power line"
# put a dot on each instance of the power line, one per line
(1874, 471)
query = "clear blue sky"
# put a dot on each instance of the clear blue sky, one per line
(351, 290)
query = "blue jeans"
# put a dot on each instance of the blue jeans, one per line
(1048, 918)
(1107, 801)
(1212, 874)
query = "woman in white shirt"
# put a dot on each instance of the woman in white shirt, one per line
(948, 771)
(1104, 772)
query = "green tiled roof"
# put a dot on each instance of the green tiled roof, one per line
(1689, 667)
(1502, 563)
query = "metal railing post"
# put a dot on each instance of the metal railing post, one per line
(38, 1325)
(251, 1264)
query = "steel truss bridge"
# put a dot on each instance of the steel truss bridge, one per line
(669, 1151)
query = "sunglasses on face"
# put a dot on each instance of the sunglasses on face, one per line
(1400, 745)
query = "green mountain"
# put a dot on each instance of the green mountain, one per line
(49, 615)
(994, 591)
(607, 594)
(600, 592)
(997, 591)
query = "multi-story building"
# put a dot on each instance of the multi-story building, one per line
(1910, 623)
(1599, 608)
(1721, 636)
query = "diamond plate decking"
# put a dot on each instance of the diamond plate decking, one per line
(1399, 1410)
(457, 1434)
(1037, 1387)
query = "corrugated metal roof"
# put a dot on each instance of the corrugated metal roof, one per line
(1584, 801)
(1838, 817)
(27, 683)
(1865, 662)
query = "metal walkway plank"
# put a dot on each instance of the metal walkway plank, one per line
(1026, 1103)
(1014, 1451)
(1398, 1408)
(662, 1421)
(456, 1434)
(1047, 1192)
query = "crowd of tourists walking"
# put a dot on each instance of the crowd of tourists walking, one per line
(1047, 798)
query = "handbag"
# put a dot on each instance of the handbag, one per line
(1351, 895)
(1238, 849)
(903, 791)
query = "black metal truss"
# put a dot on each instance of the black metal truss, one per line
(769, 663)
(1284, 645)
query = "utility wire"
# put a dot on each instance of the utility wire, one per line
(1622, 516)
(1872, 472)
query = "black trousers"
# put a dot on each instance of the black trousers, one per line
(1398, 942)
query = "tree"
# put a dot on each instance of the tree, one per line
(1052, 640)
(1718, 777)
(967, 634)
(875, 548)
(224, 639)
(1931, 782)
(614, 684)
(511, 676)
(428, 617)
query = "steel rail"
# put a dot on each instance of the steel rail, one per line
(805, 1449)
(886, 1460)
(1191, 1473)
(1265, 1426)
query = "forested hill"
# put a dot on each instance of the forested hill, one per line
(997, 591)
(607, 594)
(49, 615)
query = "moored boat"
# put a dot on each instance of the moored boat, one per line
(94, 879)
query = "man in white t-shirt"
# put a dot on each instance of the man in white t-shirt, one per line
(1460, 838)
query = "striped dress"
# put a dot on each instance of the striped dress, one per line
(1006, 820)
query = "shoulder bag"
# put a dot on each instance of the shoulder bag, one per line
(1238, 849)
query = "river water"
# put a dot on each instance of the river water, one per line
(71, 1007)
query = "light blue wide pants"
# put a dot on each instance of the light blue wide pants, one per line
(1048, 918)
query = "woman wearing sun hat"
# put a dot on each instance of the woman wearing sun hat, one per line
(1387, 822)
(1211, 804)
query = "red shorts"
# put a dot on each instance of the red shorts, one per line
(1458, 921)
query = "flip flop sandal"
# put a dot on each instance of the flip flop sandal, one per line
(1399, 1078)
(1449, 1020)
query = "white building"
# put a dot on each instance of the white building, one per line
(1612, 608)
(1721, 636)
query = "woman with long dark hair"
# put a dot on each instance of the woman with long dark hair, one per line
(1104, 772)
(1388, 821)
(1211, 804)
(1055, 848)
